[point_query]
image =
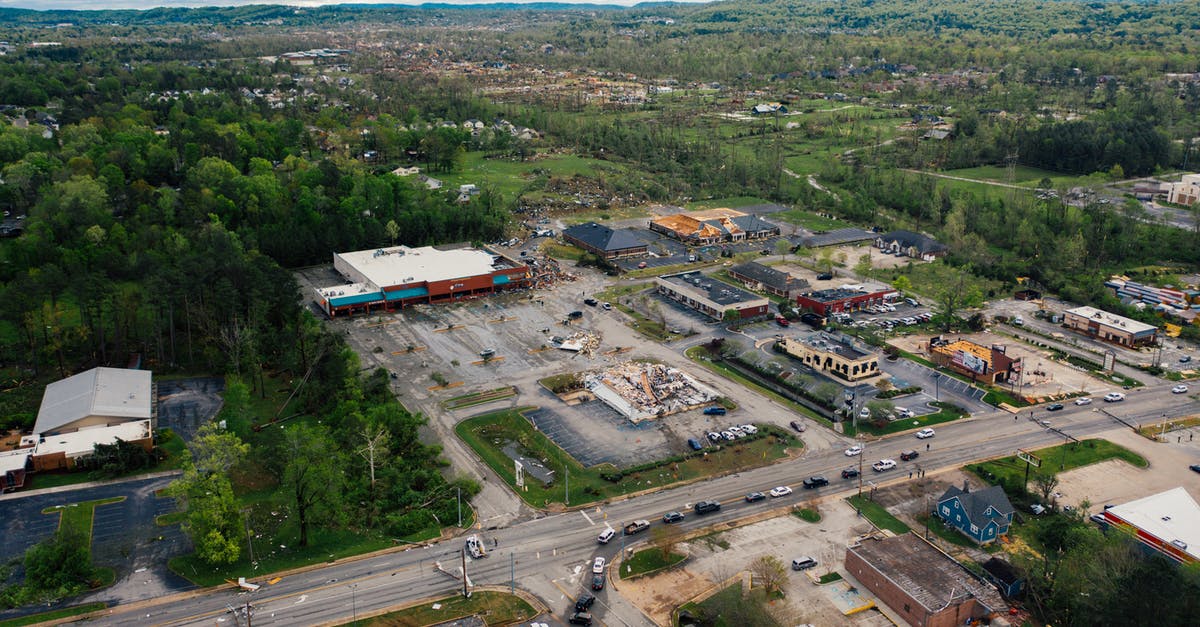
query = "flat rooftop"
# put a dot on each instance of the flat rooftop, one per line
(1112, 320)
(399, 265)
(1169, 516)
(838, 293)
(83, 442)
(717, 291)
(838, 346)
(930, 577)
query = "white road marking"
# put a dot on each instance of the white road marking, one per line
(586, 517)
(303, 598)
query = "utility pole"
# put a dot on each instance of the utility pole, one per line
(246, 524)
(459, 498)
(512, 573)
(567, 486)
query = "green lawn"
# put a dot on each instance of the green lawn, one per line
(486, 434)
(811, 221)
(726, 203)
(875, 513)
(1021, 175)
(511, 177)
(496, 608)
(948, 413)
(945, 532)
(1055, 459)
(928, 278)
(47, 617)
(807, 515)
(647, 560)
(78, 516)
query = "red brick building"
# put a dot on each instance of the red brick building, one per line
(831, 301)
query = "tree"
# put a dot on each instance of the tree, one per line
(215, 451)
(902, 284)
(212, 517)
(863, 267)
(59, 566)
(665, 538)
(828, 392)
(731, 315)
(393, 230)
(783, 247)
(1044, 484)
(769, 572)
(953, 296)
(312, 474)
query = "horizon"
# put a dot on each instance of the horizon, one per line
(142, 5)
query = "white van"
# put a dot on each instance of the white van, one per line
(606, 535)
(803, 562)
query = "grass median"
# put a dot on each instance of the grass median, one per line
(648, 561)
(495, 608)
(1055, 459)
(491, 433)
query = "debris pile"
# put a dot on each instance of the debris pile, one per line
(582, 342)
(641, 391)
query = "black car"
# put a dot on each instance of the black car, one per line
(575, 315)
(815, 482)
(754, 497)
(825, 276)
(798, 426)
(1195, 467)
(580, 618)
(584, 602)
(705, 507)
(1054, 406)
(909, 455)
(598, 581)
(590, 302)
(849, 473)
(672, 517)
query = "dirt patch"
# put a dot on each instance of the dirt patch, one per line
(659, 595)
(1114, 481)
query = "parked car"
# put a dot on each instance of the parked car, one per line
(849, 473)
(598, 565)
(642, 265)
(575, 315)
(905, 412)
(1179, 389)
(695, 444)
(736, 430)
(584, 602)
(606, 306)
(713, 436)
(854, 450)
(580, 618)
(798, 426)
(815, 482)
(825, 276)
(925, 433)
(487, 352)
(1037, 509)
(728, 435)
(1054, 406)
(672, 517)
(715, 410)
(1185, 359)
(803, 562)
(1083, 401)
(754, 497)
(1195, 467)
(883, 464)
(751, 429)
(781, 321)
(1114, 397)
(779, 491)
(591, 302)
(909, 456)
(706, 507)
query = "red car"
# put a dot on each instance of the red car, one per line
(781, 321)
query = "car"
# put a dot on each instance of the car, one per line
(925, 433)
(781, 321)
(764, 252)
(606, 306)
(707, 507)
(642, 265)
(580, 618)
(1083, 401)
(736, 430)
(909, 456)
(751, 429)
(591, 302)
(598, 565)
(597, 582)
(864, 413)
(584, 602)
(1099, 519)
(798, 426)
(728, 435)
(849, 473)
(606, 535)
(754, 497)
(1044, 423)
(695, 444)
(1179, 389)
(905, 412)
(487, 352)
(1054, 406)
(1037, 509)
(672, 517)
(715, 410)
(1114, 397)
(1185, 359)
(883, 464)
(1195, 467)
(475, 547)
(803, 562)
(779, 491)
(815, 482)
(713, 436)
(854, 450)
(825, 276)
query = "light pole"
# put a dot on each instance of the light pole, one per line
(458, 490)
(353, 602)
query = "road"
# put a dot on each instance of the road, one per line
(549, 556)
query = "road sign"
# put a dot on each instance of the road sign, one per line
(1029, 458)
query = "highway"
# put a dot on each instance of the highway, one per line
(550, 556)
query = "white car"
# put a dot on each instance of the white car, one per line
(1083, 401)
(728, 435)
(736, 430)
(854, 450)
(780, 491)
(864, 413)
(598, 565)
(883, 464)
(1114, 397)
(905, 412)
(751, 429)
(925, 433)
(1179, 389)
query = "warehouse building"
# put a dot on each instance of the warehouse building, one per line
(711, 297)
(396, 277)
(1167, 522)
(1109, 327)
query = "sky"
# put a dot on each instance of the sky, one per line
(149, 4)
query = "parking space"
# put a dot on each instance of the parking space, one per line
(594, 434)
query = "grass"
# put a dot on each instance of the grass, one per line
(811, 221)
(698, 354)
(647, 561)
(78, 517)
(928, 278)
(727, 597)
(995, 397)
(807, 514)
(726, 203)
(47, 617)
(561, 251)
(479, 398)
(487, 433)
(946, 532)
(878, 516)
(166, 520)
(1153, 431)
(1011, 471)
(496, 608)
(829, 578)
(948, 413)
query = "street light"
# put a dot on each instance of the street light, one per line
(353, 602)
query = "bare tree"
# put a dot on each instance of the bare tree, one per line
(1044, 484)
(769, 572)
(665, 538)
(374, 449)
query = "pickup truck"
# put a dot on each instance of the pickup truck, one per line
(636, 526)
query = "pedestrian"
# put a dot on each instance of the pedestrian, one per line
(927, 446)
(1190, 436)
(910, 474)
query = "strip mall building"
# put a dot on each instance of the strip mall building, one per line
(396, 277)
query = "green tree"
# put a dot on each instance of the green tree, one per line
(902, 284)
(59, 566)
(782, 248)
(212, 517)
(312, 474)
(863, 267)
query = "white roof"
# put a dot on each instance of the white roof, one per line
(1168, 516)
(14, 459)
(83, 442)
(1112, 320)
(399, 265)
(111, 392)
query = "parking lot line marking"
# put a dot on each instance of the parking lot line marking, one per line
(449, 328)
(415, 349)
(588, 518)
(434, 388)
(378, 324)
(504, 319)
(483, 362)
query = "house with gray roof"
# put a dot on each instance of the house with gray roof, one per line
(908, 243)
(603, 241)
(762, 278)
(982, 515)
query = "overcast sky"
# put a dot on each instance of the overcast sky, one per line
(148, 4)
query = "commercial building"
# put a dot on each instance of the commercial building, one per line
(713, 226)
(910, 244)
(987, 363)
(1167, 522)
(834, 354)
(762, 278)
(604, 242)
(846, 298)
(1186, 192)
(711, 297)
(396, 277)
(922, 584)
(1109, 327)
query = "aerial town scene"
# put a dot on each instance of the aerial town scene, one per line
(724, 313)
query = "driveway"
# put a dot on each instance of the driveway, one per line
(185, 404)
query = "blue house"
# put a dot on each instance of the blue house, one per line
(981, 515)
